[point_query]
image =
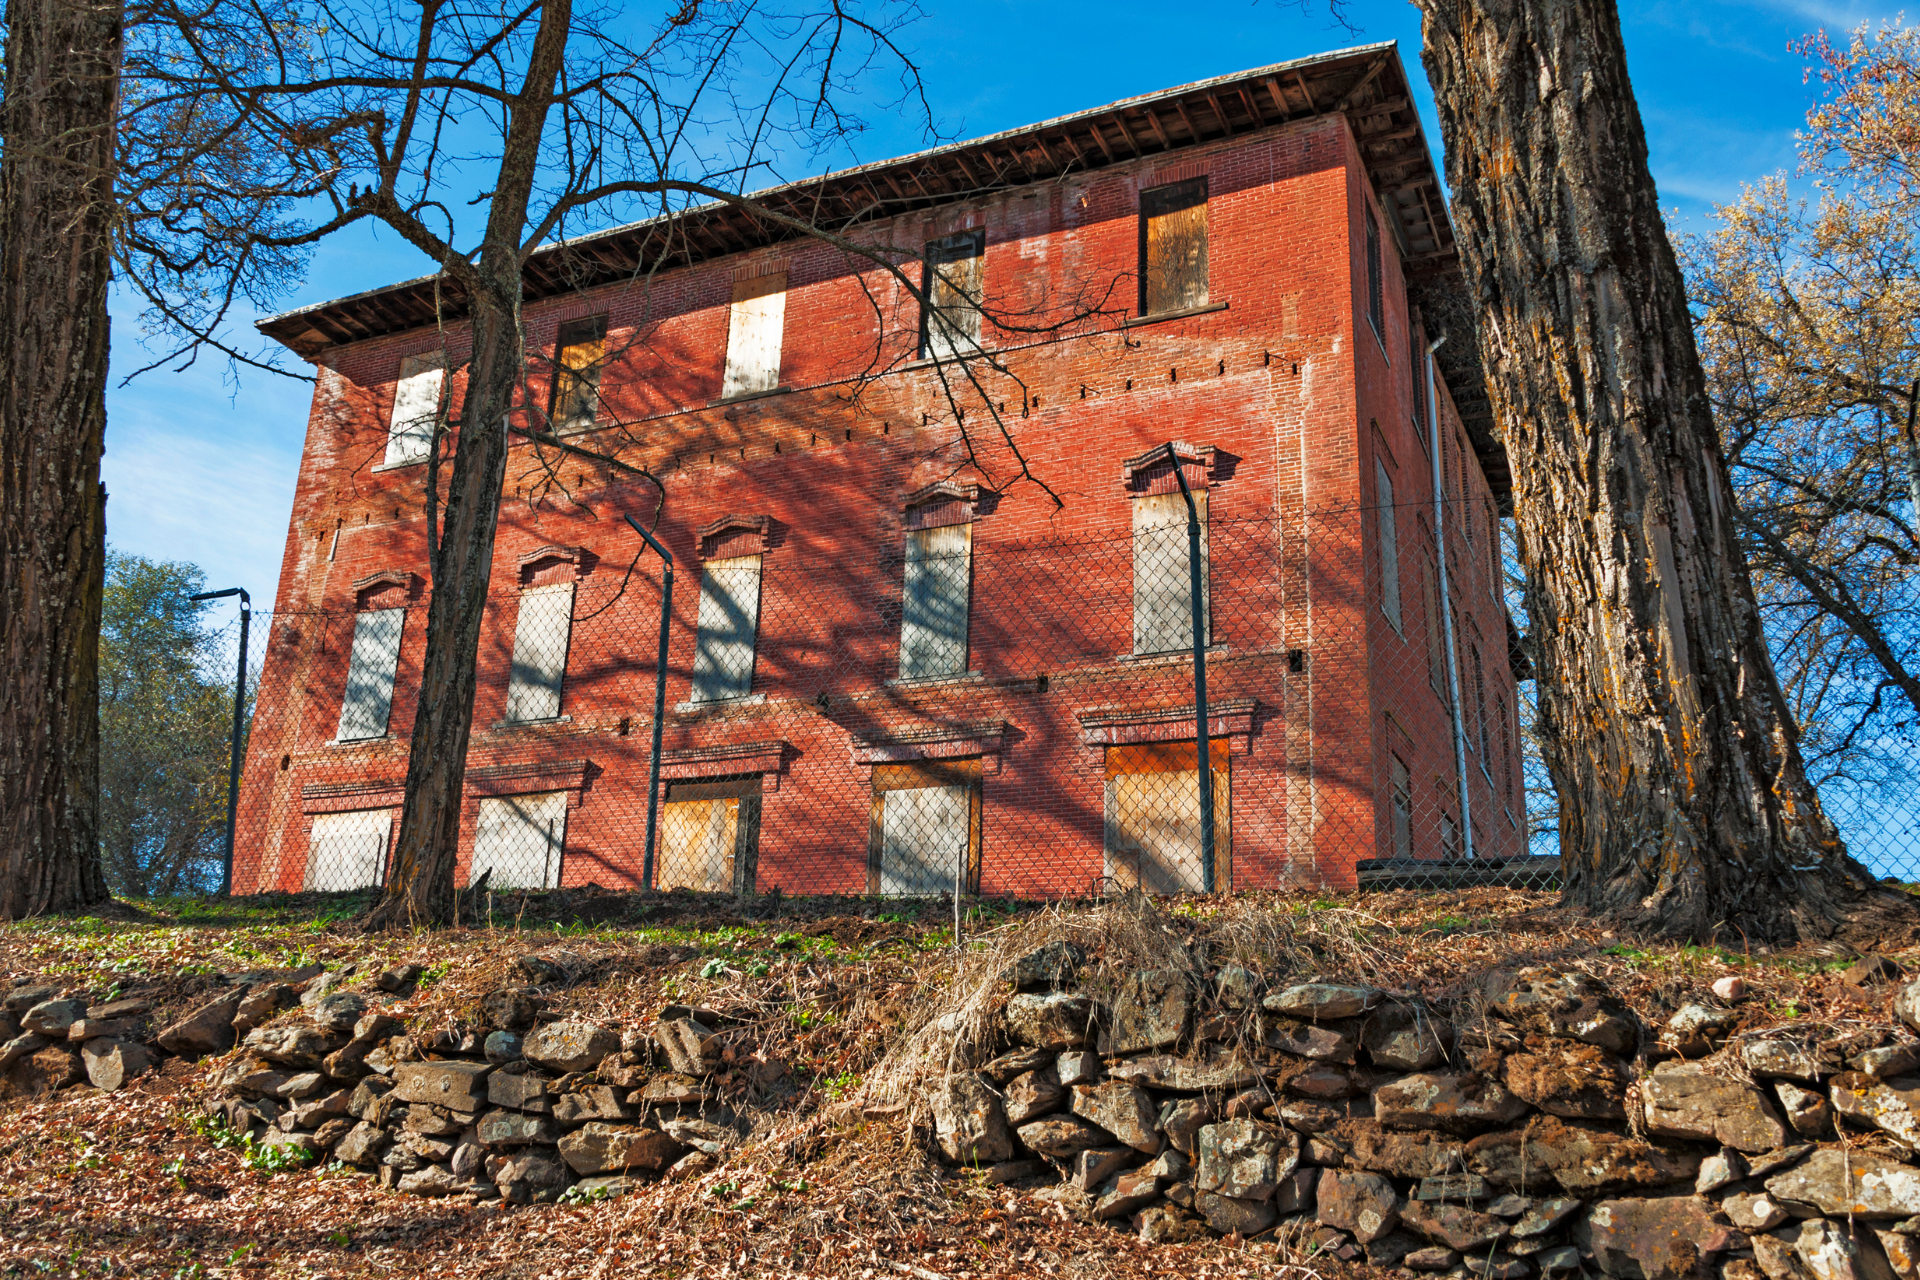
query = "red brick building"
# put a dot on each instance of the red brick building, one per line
(896, 659)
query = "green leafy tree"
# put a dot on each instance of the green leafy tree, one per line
(165, 703)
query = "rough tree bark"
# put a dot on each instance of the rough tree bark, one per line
(420, 884)
(1685, 811)
(56, 206)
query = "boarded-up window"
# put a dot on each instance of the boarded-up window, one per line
(348, 850)
(1493, 549)
(934, 598)
(755, 324)
(520, 840)
(1153, 817)
(1436, 635)
(579, 355)
(370, 671)
(727, 626)
(1480, 707)
(955, 279)
(1389, 546)
(1506, 750)
(540, 639)
(1462, 513)
(1402, 810)
(924, 832)
(709, 836)
(416, 405)
(1162, 580)
(1376, 315)
(1449, 838)
(1173, 247)
(1416, 366)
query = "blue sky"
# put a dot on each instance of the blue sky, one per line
(201, 467)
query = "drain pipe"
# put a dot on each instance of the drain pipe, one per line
(659, 704)
(1446, 602)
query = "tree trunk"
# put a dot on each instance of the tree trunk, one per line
(420, 884)
(1684, 808)
(56, 209)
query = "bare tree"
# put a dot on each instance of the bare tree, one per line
(1685, 809)
(1806, 314)
(56, 208)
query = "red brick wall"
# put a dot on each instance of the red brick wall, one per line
(1287, 382)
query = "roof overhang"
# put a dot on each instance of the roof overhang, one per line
(1367, 83)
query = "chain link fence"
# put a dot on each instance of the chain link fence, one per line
(954, 716)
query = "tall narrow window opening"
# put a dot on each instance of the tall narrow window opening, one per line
(580, 352)
(1436, 637)
(1376, 314)
(1162, 582)
(756, 324)
(416, 407)
(541, 636)
(371, 667)
(1506, 749)
(935, 594)
(1389, 546)
(1416, 365)
(1173, 247)
(1402, 785)
(727, 628)
(954, 280)
(1480, 708)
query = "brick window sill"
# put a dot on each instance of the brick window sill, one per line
(935, 682)
(719, 705)
(745, 396)
(1134, 322)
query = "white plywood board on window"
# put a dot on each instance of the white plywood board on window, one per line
(938, 583)
(755, 324)
(697, 843)
(540, 639)
(348, 850)
(371, 666)
(726, 629)
(1162, 578)
(416, 403)
(923, 839)
(1389, 545)
(519, 839)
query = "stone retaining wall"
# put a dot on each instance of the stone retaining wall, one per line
(1558, 1135)
(1547, 1131)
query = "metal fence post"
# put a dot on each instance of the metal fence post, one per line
(659, 707)
(1198, 606)
(239, 722)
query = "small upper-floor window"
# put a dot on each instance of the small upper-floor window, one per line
(756, 322)
(1376, 304)
(580, 352)
(1173, 247)
(955, 279)
(416, 407)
